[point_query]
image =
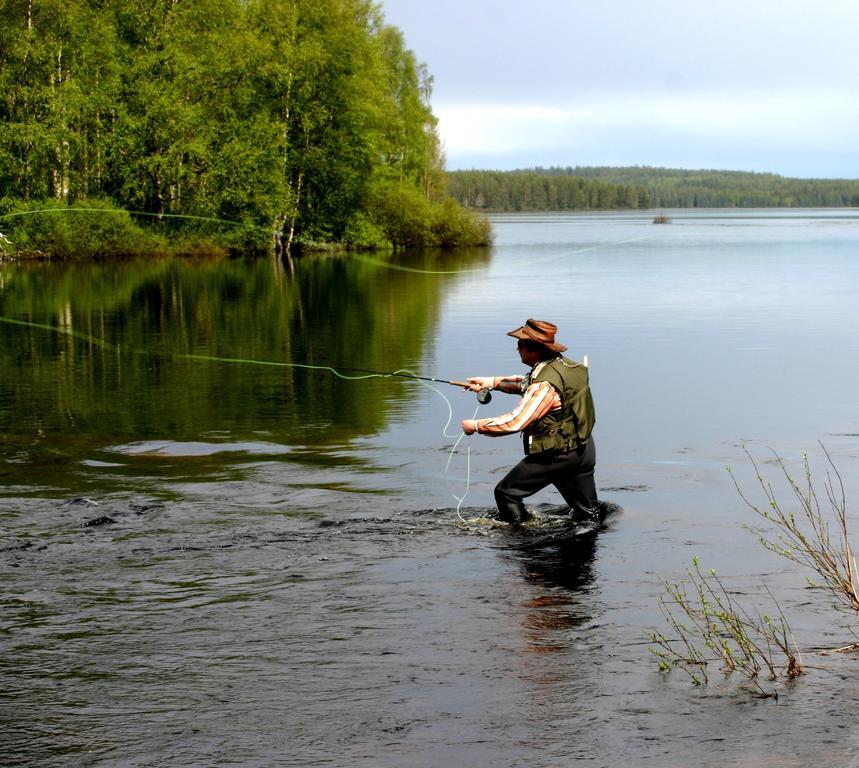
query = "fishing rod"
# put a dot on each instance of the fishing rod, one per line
(483, 396)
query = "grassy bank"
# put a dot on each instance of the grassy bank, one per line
(97, 229)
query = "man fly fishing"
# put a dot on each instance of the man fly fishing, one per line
(555, 416)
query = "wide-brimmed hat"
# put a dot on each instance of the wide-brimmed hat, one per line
(540, 332)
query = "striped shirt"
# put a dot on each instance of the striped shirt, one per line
(537, 400)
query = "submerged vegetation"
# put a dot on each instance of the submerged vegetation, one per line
(805, 537)
(224, 124)
(594, 188)
(708, 624)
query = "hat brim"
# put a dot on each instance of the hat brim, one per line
(522, 333)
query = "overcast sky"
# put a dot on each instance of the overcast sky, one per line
(758, 85)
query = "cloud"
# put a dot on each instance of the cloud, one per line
(750, 85)
(744, 130)
(498, 128)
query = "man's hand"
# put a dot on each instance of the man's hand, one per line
(469, 426)
(476, 383)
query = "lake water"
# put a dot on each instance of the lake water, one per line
(210, 559)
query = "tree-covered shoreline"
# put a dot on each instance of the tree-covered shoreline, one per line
(601, 188)
(538, 190)
(239, 125)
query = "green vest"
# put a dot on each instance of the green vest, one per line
(572, 425)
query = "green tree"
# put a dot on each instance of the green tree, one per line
(287, 116)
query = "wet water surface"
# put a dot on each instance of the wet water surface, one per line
(210, 560)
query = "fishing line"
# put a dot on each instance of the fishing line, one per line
(400, 268)
(60, 329)
(596, 247)
(280, 364)
(118, 212)
(586, 249)
(459, 499)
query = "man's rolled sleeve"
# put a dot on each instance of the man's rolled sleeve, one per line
(540, 398)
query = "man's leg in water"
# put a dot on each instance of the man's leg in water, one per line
(573, 476)
(571, 473)
(530, 475)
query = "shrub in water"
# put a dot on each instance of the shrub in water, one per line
(408, 219)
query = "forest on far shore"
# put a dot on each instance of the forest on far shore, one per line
(600, 188)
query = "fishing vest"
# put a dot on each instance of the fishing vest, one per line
(571, 426)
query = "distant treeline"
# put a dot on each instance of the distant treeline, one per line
(542, 190)
(298, 121)
(584, 187)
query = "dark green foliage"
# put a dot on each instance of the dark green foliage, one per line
(675, 188)
(95, 229)
(408, 219)
(538, 190)
(277, 116)
(402, 212)
(644, 187)
(453, 227)
(363, 234)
